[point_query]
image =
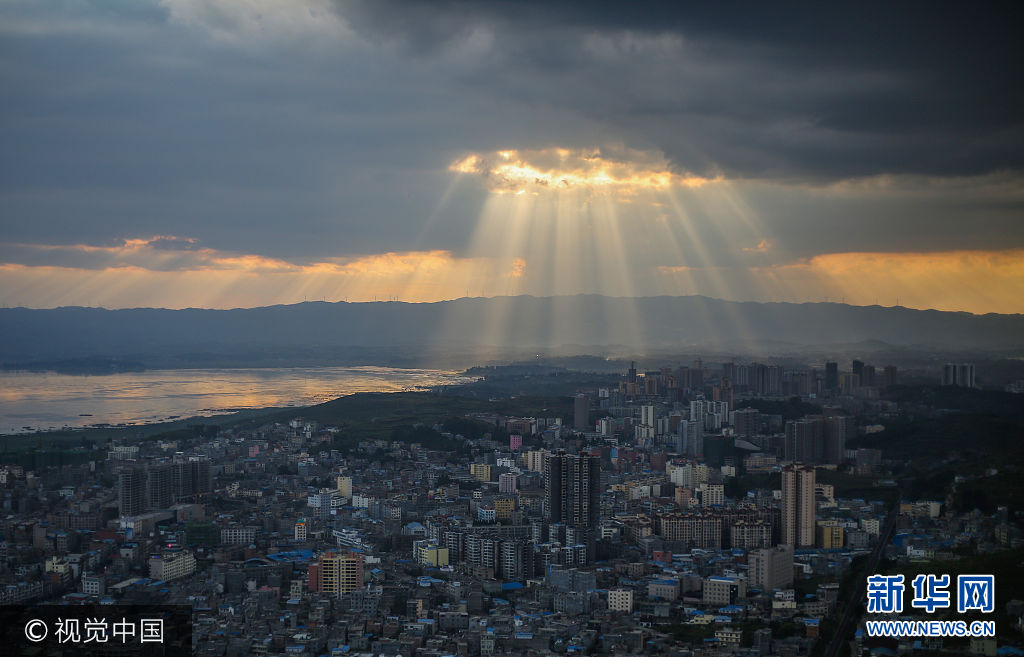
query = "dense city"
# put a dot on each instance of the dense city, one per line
(694, 510)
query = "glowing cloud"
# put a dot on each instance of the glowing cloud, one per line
(176, 272)
(972, 281)
(555, 169)
(157, 253)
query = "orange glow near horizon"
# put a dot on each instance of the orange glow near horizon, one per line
(556, 222)
(976, 281)
(216, 280)
(972, 281)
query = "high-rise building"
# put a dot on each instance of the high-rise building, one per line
(159, 486)
(891, 375)
(961, 375)
(750, 535)
(131, 496)
(694, 440)
(771, 568)
(516, 559)
(485, 551)
(182, 479)
(711, 494)
(746, 422)
(688, 475)
(154, 485)
(336, 573)
(503, 507)
(765, 380)
(804, 440)
(798, 505)
(697, 375)
(572, 489)
(581, 413)
(683, 438)
(836, 427)
(535, 459)
(797, 383)
(831, 376)
(191, 477)
(867, 377)
(480, 471)
(345, 486)
(709, 415)
(724, 392)
(202, 473)
(647, 415)
(508, 482)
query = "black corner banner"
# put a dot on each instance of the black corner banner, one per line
(96, 630)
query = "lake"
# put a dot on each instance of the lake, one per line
(32, 400)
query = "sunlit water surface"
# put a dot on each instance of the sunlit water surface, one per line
(33, 401)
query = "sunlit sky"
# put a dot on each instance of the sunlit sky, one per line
(236, 153)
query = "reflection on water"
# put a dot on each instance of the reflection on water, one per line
(45, 400)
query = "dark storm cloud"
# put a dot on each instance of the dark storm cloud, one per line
(139, 135)
(815, 90)
(266, 145)
(299, 134)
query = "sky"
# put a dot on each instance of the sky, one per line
(238, 153)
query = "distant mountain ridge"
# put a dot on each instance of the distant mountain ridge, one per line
(522, 322)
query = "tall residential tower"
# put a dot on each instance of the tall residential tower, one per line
(572, 489)
(798, 505)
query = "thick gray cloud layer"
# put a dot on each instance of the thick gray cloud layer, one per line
(306, 131)
(814, 89)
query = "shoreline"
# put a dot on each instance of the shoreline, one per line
(53, 403)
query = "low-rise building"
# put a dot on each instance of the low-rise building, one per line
(721, 591)
(172, 564)
(621, 600)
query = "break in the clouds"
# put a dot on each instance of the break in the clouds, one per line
(361, 149)
(562, 169)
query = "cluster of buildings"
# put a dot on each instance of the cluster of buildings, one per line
(759, 380)
(659, 519)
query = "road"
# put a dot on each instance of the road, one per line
(844, 630)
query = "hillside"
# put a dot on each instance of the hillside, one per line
(582, 324)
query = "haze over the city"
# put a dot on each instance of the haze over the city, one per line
(235, 154)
